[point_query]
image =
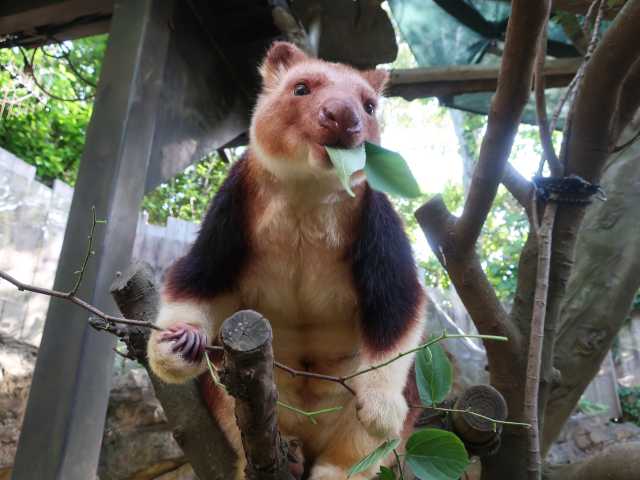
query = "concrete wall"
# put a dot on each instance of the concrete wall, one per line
(33, 218)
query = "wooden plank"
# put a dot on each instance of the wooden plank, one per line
(27, 16)
(204, 104)
(64, 421)
(455, 80)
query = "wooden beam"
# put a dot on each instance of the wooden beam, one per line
(450, 81)
(30, 17)
(63, 425)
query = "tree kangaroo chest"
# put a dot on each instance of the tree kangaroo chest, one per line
(300, 279)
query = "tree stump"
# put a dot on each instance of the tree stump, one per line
(248, 375)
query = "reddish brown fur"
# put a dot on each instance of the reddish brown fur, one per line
(334, 275)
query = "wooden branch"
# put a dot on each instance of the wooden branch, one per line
(602, 285)
(425, 82)
(514, 85)
(474, 289)
(201, 439)
(587, 145)
(628, 103)
(598, 96)
(541, 104)
(109, 319)
(536, 337)
(519, 187)
(248, 375)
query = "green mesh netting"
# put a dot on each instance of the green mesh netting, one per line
(464, 32)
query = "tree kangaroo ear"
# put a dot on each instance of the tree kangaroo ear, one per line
(280, 57)
(377, 79)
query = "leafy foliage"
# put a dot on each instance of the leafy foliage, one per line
(435, 454)
(374, 457)
(630, 401)
(432, 454)
(46, 132)
(434, 374)
(503, 236)
(591, 408)
(188, 194)
(386, 474)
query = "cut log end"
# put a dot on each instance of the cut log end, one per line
(480, 435)
(245, 331)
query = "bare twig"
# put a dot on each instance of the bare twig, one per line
(109, 319)
(475, 414)
(577, 81)
(536, 339)
(88, 254)
(66, 54)
(541, 104)
(29, 64)
(310, 415)
(342, 380)
(78, 301)
(399, 462)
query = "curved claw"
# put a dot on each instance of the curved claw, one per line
(188, 341)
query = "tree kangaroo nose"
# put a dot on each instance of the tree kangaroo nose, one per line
(342, 120)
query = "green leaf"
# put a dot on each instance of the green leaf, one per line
(378, 454)
(346, 163)
(388, 172)
(386, 473)
(436, 454)
(434, 374)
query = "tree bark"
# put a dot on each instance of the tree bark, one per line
(603, 283)
(248, 375)
(202, 441)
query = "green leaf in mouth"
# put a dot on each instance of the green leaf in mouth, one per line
(346, 163)
(386, 171)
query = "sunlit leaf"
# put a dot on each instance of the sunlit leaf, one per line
(434, 454)
(434, 374)
(346, 163)
(386, 473)
(374, 457)
(388, 172)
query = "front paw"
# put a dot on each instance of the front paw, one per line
(382, 414)
(186, 340)
(177, 353)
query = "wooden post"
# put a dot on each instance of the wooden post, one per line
(63, 426)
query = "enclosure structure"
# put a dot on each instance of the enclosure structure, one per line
(178, 81)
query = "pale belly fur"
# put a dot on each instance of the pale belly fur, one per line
(301, 282)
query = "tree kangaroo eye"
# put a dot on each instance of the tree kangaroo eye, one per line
(301, 89)
(369, 107)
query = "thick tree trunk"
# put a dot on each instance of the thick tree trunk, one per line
(604, 280)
